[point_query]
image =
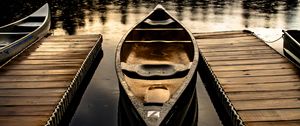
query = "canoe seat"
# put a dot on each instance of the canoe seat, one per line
(155, 71)
(156, 95)
(159, 22)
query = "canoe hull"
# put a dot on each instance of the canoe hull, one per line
(22, 40)
(291, 46)
(183, 113)
(156, 63)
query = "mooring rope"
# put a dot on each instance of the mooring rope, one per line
(274, 40)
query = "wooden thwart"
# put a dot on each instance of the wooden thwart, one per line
(37, 82)
(262, 86)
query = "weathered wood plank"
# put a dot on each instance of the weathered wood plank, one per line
(44, 110)
(50, 57)
(35, 78)
(264, 79)
(291, 103)
(274, 123)
(23, 120)
(203, 45)
(247, 62)
(222, 36)
(55, 52)
(256, 73)
(254, 95)
(61, 49)
(33, 92)
(51, 53)
(57, 42)
(261, 87)
(242, 57)
(218, 33)
(73, 37)
(206, 43)
(248, 52)
(38, 72)
(32, 100)
(67, 46)
(51, 62)
(270, 115)
(235, 49)
(34, 85)
(225, 43)
(41, 66)
(253, 67)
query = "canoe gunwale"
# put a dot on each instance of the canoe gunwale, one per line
(173, 99)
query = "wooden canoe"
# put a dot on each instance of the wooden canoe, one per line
(18, 35)
(156, 65)
(291, 46)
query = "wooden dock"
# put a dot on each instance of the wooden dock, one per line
(37, 86)
(250, 83)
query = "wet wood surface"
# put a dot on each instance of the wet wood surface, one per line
(262, 85)
(32, 84)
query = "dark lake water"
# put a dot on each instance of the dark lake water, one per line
(113, 18)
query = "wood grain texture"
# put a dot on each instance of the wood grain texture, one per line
(23, 120)
(270, 115)
(262, 85)
(32, 84)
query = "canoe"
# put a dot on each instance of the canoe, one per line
(291, 45)
(156, 62)
(18, 35)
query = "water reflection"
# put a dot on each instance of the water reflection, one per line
(70, 15)
(112, 18)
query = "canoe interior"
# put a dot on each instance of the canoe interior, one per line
(156, 57)
(16, 31)
(9, 38)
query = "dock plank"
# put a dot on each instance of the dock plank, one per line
(30, 100)
(256, 95)
(241, 71)
(242, 57)
(274, 123)
(41, 81)
(265, 104)
(32, 92)
(23, 120)
(254, 67)
(34, 85)
(27, 110)
(283, 86)
(271, 115)
(251, 73)
(40, 66)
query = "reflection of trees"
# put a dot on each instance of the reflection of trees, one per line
(124, 7)
(204, 9)
(194, 5)
(179, 9)
(72, 15)
(103, 10)
(291, 12)
(218, 7)
(263, 8)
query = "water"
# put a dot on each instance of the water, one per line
(113, 18)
